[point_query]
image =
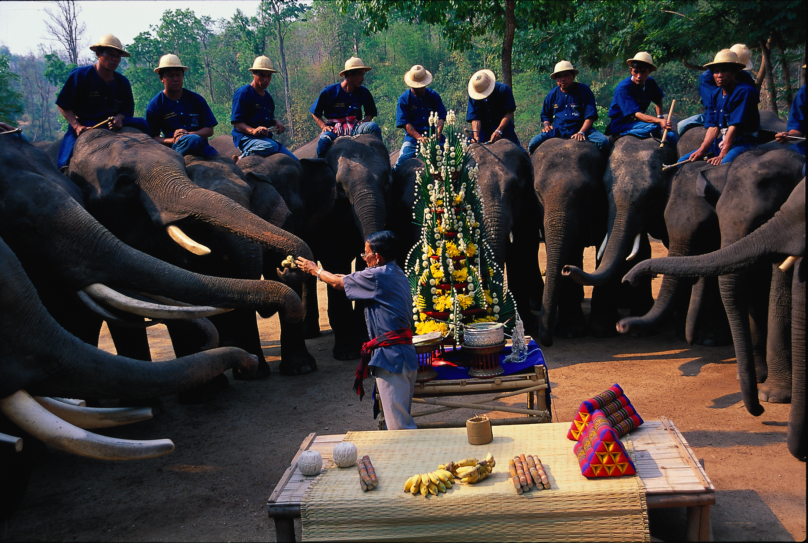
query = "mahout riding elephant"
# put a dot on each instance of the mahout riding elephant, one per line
(637, 190)
(360, 165)
(692, 228)
(568, 181)
(65, 250)
(39, 357)
(141, 191)
(783, 235)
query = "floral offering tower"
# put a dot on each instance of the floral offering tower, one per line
(453, 276)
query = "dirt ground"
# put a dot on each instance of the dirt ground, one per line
(231, 452)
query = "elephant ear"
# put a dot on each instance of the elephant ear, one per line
(266, 201)
(319, 189)
(710, 183)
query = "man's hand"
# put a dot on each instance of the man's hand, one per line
(307, 266)
(782, 137)
(546, 127)
(697, 155)
(80, 129)
(715, 161)
(665, 124)
(496, 135)
(279, 126)
(116, 123)
(260, 132)
(578, 137)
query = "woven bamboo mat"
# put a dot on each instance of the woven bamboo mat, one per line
(334, 508)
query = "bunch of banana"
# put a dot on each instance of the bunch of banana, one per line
(470, 470)
(429, 483)
(289, 262)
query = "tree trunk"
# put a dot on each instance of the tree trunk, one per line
(507, 42)
(772, 90)
(206, 58)
(786, 71)
(286, 90)
(761, 73)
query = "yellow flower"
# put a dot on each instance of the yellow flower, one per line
(488, 299)
(431, 326)
(458, 199)
(471, 249)
(465, 300)
(461, 275)
(491, 318)
(451, 249)
(437, 274)
(443, 303)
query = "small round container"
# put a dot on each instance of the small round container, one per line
(484, 334)
(479, 430)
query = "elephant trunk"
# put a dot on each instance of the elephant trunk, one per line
(733, 294)
(560, 232)
(369, 207)
(621, 237)
(694, 309)
(796, 420)
(498, 220)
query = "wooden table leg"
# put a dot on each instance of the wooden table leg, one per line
(704, 524)
(284, 529)
(698, 523)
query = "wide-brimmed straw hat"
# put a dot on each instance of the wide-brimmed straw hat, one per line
(263, 64)
(744, 55)
(109, 41)
(481, 84)
(170, 61)
(725, 56)
(642, 56)
(563, 66)
(418, 77)
(354, 63)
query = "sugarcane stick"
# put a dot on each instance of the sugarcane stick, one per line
(527, 470)
(514, 477)
(521, 473)
(371, 470)
(670, 116)
(531, 465)
(542, 473)
(365, 481)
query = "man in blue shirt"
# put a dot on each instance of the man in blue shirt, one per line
(796, 122)
(707, 87)
(490, 109)
(569, 111)
(632, 96)
(733, 118)
(342, 104)
(182, 116)
(95, 93)
(388, 312)
(253, 114)
(413, 110)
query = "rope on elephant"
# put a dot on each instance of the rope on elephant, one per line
(15, 131)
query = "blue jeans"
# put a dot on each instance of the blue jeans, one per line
(600, 141)
(69, 140)
(690, 122)
(327, 138)
(736, 150)
(408, 151)
(646, 130)
(193, 144)
(251, 145)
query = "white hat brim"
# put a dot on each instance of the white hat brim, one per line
(629, 61)
(418, 84)
(574, 72)
(96, 47)
(487, 92)
(366, 68)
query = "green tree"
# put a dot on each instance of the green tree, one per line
(10, 100)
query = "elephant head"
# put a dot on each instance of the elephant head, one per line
(782, 235)
(637, 190)
(132, 184)
(568, 180)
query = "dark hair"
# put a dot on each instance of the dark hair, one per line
(384, 243)
(354, 71)
(164, 70)
(640, 66)
(734, 68)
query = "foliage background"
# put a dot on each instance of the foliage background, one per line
(319, 37)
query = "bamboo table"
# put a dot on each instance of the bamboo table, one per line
(666, 465)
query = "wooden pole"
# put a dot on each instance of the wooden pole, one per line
(670, 116)
(495, 398)
(477, 406)
(102, 123)
(787, 263)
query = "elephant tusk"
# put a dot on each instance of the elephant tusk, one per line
(182, 239)
(787, 263)
(164, 300)
(635, 249)
(25, 412)
(109, 317)
(117, 300)
(71, 401)
(16, 442)
(89, 417)
(602, 247)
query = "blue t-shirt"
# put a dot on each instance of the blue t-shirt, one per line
(707, 84)
(490, 111)
(415, 111)
(335, 103)
(567, 111)
(92, 99)
(190, 112)
(738, 108)
(629, 99)
(251, 108)
(796, 119)
(388, 306)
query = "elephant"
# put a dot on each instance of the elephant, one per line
(39, 357)
(568, 181)
(637, 189)
(782, 235)
(360, 165)
(141, 191)
(510, 214)
(65, 250)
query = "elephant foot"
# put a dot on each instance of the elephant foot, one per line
(298, 364)
(347, 353)
(205, 392)
(642, 332)
(603, 327)
(713, 337)
(762, 372)
(571, 325)
(262, 372)
(311, 331)
(774, 392)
